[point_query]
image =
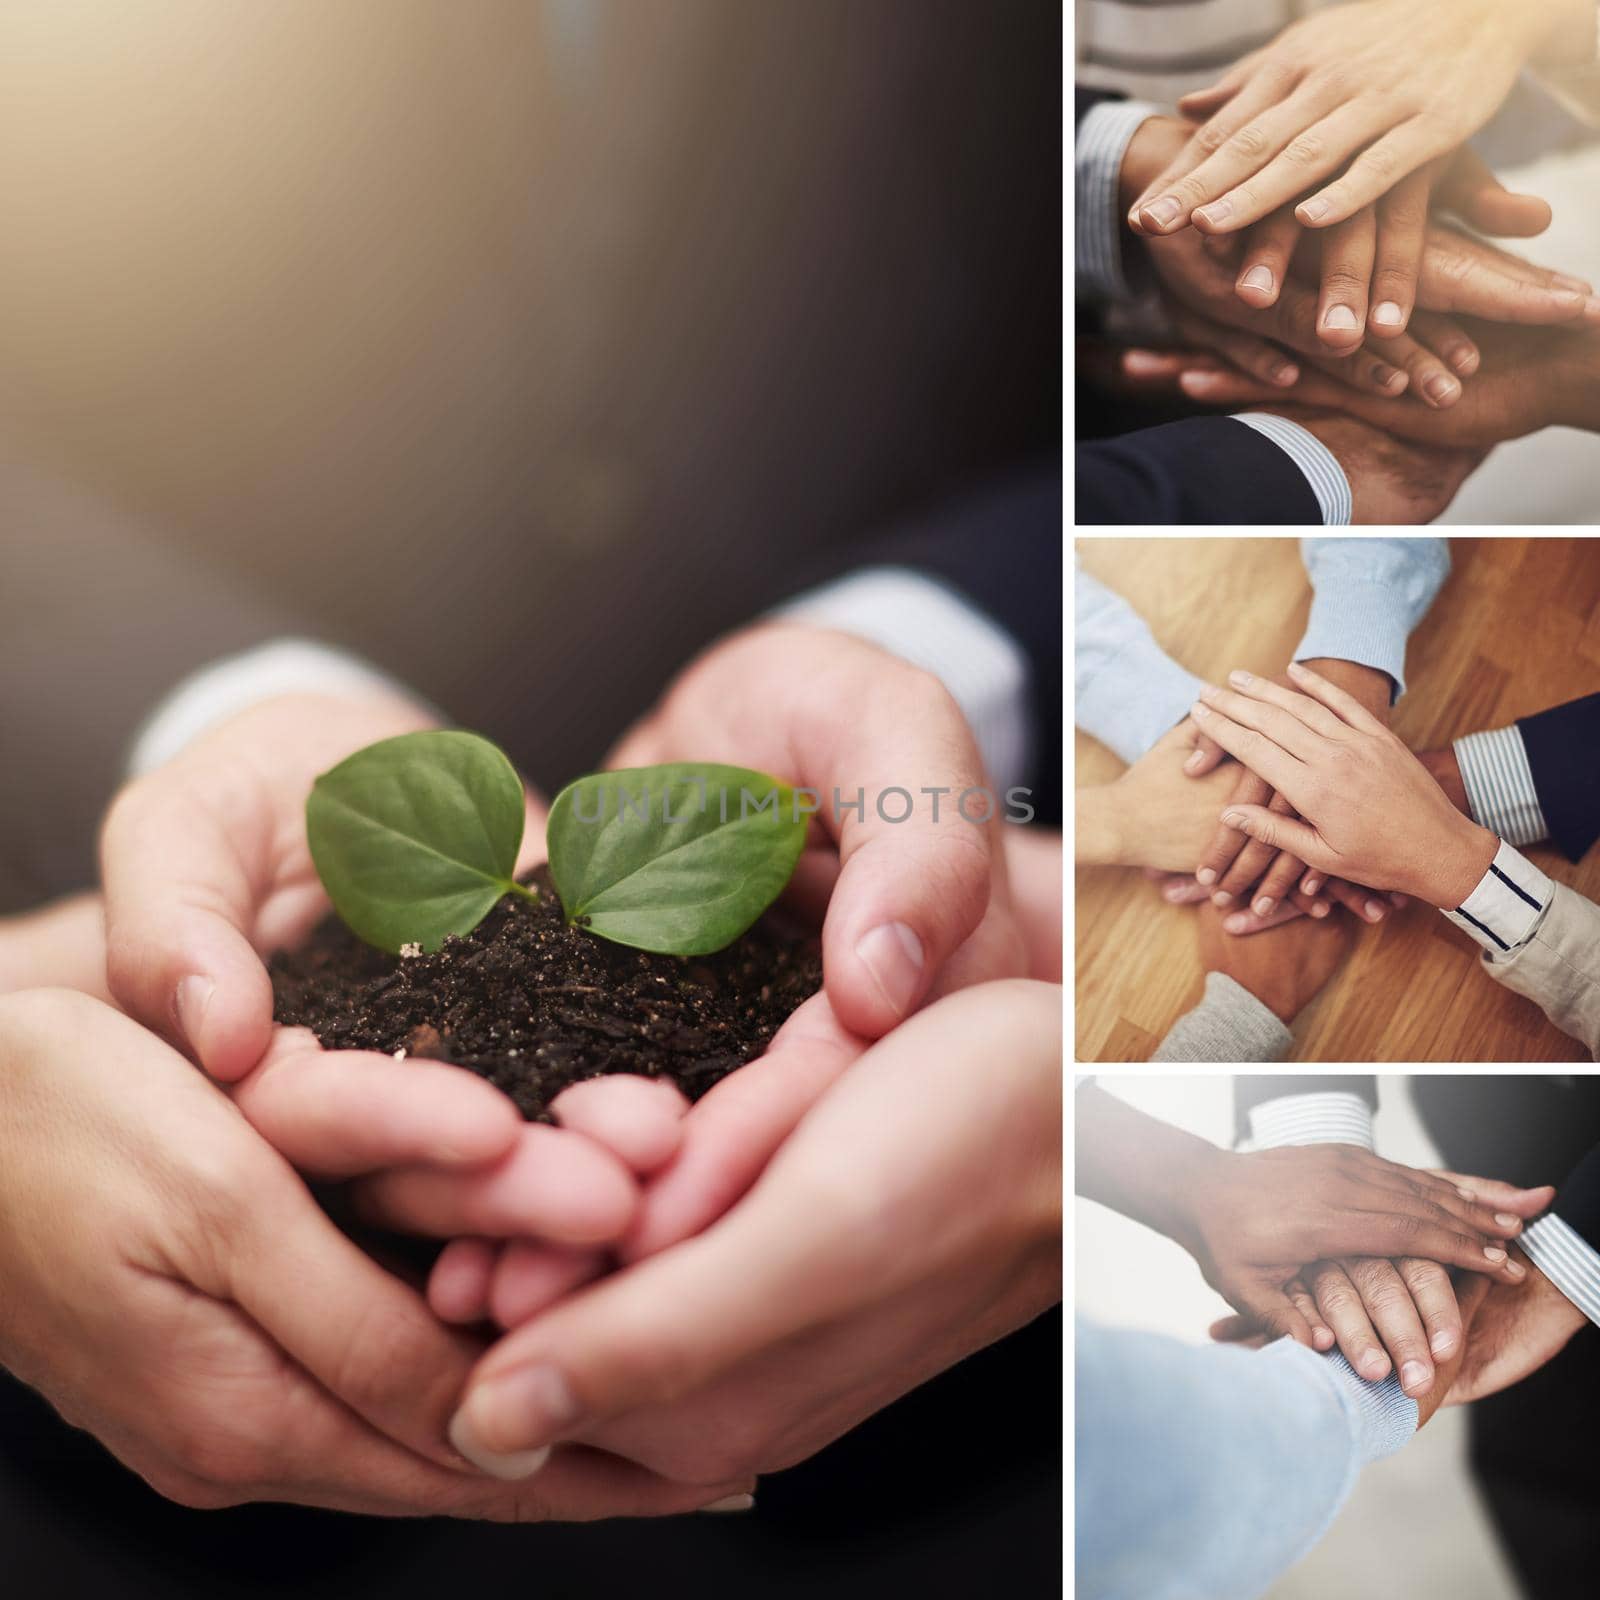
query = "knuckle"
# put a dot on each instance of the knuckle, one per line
(1249, 143)
(1380, 163)
(1343, 282)
(1211, 136)
(1305, 149)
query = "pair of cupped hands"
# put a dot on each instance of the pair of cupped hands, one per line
(692, 1296)
(1299, 230)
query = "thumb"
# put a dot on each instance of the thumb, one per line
(178, 900)
(1473, 192)
(1282, 833)
(1276, 1315)
(1206, 756)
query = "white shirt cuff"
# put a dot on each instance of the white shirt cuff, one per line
(911, 616)
(1325, 1117)
(1319, 464)
(1567, 1259)
(1499, 784)
(234, 684)
(1102, 141)
(1509, 903)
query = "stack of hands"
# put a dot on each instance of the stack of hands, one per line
(1301, 220)
(690, 1295)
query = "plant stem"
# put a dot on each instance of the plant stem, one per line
(523, 890)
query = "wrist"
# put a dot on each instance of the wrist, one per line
(1459, 867)
(1098, 837)
(1445, 770)
(1372, 686)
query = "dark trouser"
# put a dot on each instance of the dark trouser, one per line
(1532, 1444)
(954, 1491)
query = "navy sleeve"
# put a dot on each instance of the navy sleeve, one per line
(1201, 470)
(1578, 1199)
(1563, 746)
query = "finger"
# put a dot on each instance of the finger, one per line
(1472, 191)
(1346, 706)
(1268, 251)
(1277, 1315)
(1506, 1197)
(1234, 1329)
(1429, 1287)
(1359, 901)
(1348, 251)
(1468, 278)
(1263, 757)
(1402, 233)
(458, 1284)
(1395, 1320)
(178, 900)
(1179, 889)
(1319, 147)
(1409, 1230)
(1278, 884)
(1448, 340)
(1343, 1311)
(554, 1185)
(1222, 388)
(336, 1113)
(1287, 728)
(1280, 832)
(1198, 102)
(529, 1277)
(1248, 865)
(1430, 379)
(1244, 350)
(640, 1120)
(1226, 843)
(1243, 923)
(1367, 370)
(1322, 1337)
(1313, 716)
(1206, 756)
(1373, 173)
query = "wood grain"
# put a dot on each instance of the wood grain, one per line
(1516, 628)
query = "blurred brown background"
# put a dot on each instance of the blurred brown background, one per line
(521, 345)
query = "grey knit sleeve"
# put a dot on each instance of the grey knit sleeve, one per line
(1229, 1024)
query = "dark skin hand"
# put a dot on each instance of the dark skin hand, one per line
(1252, 1222)
(1519, 1327)
(1284, 967)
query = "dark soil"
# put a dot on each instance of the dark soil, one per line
(534, 1005)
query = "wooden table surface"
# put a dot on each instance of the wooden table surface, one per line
(1515, 628)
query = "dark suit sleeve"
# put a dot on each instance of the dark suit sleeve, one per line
(1578, 1199)
(1201, 470)
(1563, 746)
(1085, 100)
(1250, 1090)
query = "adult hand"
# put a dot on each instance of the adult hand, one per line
(1519, 1327)
(913, 1217)
(1371, 92)
(173, 1288)
(61, 945)
(1371, 811)
(1284, 967)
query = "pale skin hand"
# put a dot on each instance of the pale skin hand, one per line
(1362, 96)
(1253, 1221)
(173, 1288)
(876, 1250)
(1371, 811)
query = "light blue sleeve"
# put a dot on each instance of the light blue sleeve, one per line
(1128, 691)
(1203, 1472)
(1368, 596)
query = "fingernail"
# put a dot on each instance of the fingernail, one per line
(1413, 1375)
(1173, 891)
(1493, 1253)
(1442, 1343)
(1216, 213)
(1399, 901)
(1240, 677)
(1205, 875)
(1199, 711)
(1591, 308)
(1373, 1365)
(1566, 281)
(1506, 1220)
(1296, 670)
(1163, 211)
(1143, 363)
(1322, 1337)
(1222, 898)
(1311, 885)
(1234, 819)
(1257, 278)
(1387, 314)
(1285, 373)
(1440, 388)
(1465, 1193)
(1319, 908)
(1236, 923)
(731, 1502)
(1194, 761)
(1374, 911)
(1389, 378)
(1515, 1270)
(1313, 210)
(1464, 358)
(893, 955)
(1340, 317)
(193, 996)
(527, 1403)
(1264, 905)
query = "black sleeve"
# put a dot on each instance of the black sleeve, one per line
(1563, 746)
(1578, 1199)
(1252, 1090)
(1085, 100)
(1202, 470)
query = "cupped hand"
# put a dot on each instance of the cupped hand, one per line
(1371, 810)
(173, 1288)
(913, 1217)
(1363, 96)
(1519, 1327)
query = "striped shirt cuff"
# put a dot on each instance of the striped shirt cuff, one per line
(1318, 463)
(1499, 783)
(1509, 903)
(1102, 142)
(1568, 1260)
(1332, 1117)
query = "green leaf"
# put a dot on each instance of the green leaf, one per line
(416, 837)
(680, 859)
